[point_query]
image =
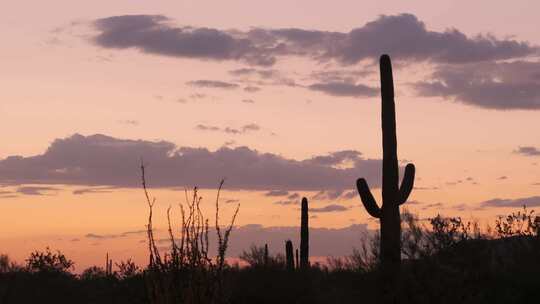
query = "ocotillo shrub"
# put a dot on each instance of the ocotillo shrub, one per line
(187, 274)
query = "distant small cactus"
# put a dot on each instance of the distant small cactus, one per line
(304, 236)
(266, 255)
(108, 265)
(289, 255)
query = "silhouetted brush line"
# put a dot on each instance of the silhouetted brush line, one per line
(449, 260)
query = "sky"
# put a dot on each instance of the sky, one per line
(279, 98)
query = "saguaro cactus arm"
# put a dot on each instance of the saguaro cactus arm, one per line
(367, 198)
(407, 184)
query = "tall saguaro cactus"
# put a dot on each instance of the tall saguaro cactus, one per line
(304, 236)
(393, 195)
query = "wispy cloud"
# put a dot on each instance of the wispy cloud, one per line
(7, 194)
(334, 194)
(252, 89)
(344, 89)
(244, 129)
(277, 193)
(329, 208)
(92, 190)
(130, 122)
(287, 202)
(37, 190)
(212, 84)
(533, 201)
(528, 151)
(114, 236)
(202, 127)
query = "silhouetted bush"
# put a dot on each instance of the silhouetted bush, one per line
(127, 269)
(255, 258)
(93, 273)
(48, 261)
(521, 223)
(5, 263)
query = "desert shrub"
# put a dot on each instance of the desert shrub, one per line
(413, 236)
(93, 273)
(188, 273)
(127, 269)
(446, 232)
(48, 261)
(521, 223)
(5, 263)
(255, 257)
(419, 240)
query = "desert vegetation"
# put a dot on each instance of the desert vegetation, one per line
(408, 260)
(444, 260)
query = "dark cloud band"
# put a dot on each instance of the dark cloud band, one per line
(403, 36)
(101, 160)
(501, 86)
(533, 201)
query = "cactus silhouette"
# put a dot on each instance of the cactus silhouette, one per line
(289, 255)
(108, 265)
(392, 194)
(265, 254)
(304, 236)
